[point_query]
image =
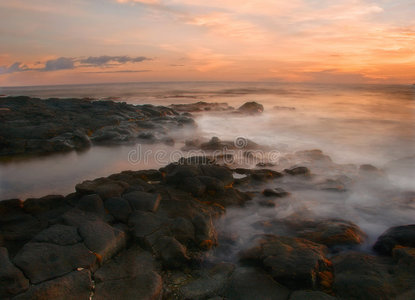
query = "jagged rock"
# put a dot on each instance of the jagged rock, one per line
(248, 283)
(44, 261)
(295, 262)
(74, 286)
(12, 280)
(399, 235)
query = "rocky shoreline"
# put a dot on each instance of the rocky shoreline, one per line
(156, 234)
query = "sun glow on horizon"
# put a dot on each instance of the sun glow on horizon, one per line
(79, 41)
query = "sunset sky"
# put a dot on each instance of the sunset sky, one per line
(46, 42)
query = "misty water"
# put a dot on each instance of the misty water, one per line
(352, 124)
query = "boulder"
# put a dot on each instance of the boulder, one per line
(12, 280)
(251, 108)
(129, 275)
(183, 230)
(143, 201)
(399, 235)
(45, 261)
(298, 171)
(248, 283)
(104, 187)
(76, 285)
(119, 208)
(172, 253)
(205, 232)
(211, 283)
(310, 295)
(102, 239)
(58, 234)
(333, 232)
(294, 262)
(362, 276)
(93, 204)
(276, 192)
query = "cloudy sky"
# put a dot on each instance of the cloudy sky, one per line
(87, 41)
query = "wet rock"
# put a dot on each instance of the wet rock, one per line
(298, 171)
(36, 206)
(143, 201)
(251, 108)
(119, 208)
(332, 232)
(183, 230)
(205, 232)
(92, 204)
(250, 283)
(44, 261)
(211, 283)
(34, 125)
(313, 156)
(362, 276)
(75, 285)
(404, 255)
(104, 187)
(295, 262)
(399, 235)
(310, 295)
(144, 223)
(12, 280)
(172, 253)
(59, 234)
(276, 192)
(102, 239)
(201, 106)
(148, 286)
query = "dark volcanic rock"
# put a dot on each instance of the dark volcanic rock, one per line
(172, 253)
(104, 187)
(295, 262)
(277, 192)
(143, 201)
(251, 108)
(211, 283)
(33, 125)
(44, 261)
(310, 295)
(132, 274)
(250, 283)
(298, 171)
(73, 286)
(12, 280)
(201, 106)
(59, 234)
(362, 276)
(119, 208)
(400, 235)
